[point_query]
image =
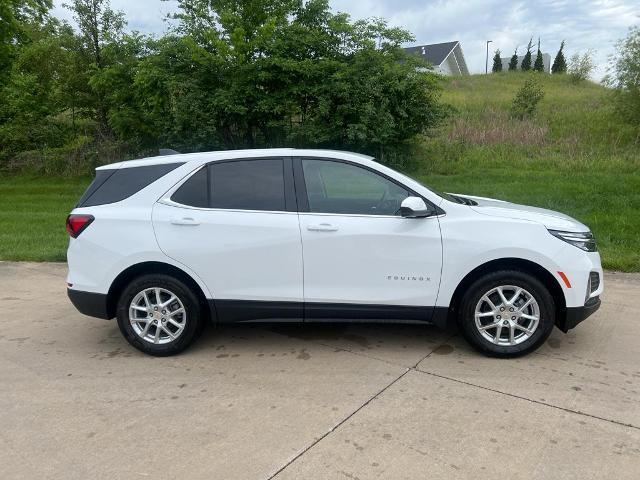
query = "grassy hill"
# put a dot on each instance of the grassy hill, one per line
(573, 156)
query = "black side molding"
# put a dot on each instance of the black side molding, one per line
(89, 303)
(232, 311)
(575, 315)
(364, 312)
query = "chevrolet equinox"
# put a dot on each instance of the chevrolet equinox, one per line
(166, 244)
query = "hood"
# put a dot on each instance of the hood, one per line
(549, 218)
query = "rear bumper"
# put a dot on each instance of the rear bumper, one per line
(575, 315)
(90, 303)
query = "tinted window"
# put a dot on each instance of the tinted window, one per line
(193, 192)
(247, 185)
(112, 186)
(335, 187)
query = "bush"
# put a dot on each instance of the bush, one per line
(527, 99)
(581, 66)
(625, 77)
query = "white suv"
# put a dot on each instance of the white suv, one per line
(169, 243)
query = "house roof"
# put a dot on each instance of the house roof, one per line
(436, 53)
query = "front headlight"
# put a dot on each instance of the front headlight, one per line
(582, 240)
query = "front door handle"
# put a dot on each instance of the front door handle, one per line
(322, 227)
(185, 221)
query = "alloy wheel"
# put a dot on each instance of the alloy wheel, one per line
(157, 315)
(507, 315)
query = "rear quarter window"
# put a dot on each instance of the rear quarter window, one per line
(112, 186)
(195, 191)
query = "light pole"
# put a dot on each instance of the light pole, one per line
(486, 63)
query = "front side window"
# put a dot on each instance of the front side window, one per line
(236, 185)
(336, 187)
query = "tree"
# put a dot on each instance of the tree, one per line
(513, 63)
(497, 62)
(559, 63)
(33, 99)
(98, 26)
(229, 74)
(237, 74)
(580, 66)
(526, 61)
(527, 98)
(15, 18)
(538, 66)
(625, 77)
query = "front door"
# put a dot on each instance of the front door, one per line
(362, 260)
(234, 223)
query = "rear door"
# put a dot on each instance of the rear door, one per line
(235, 224)
(362, 260)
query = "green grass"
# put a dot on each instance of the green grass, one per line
(573, 156)
(32, 216)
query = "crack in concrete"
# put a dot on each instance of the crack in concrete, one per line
(367, 402)
(513, 395)
(444, 377)
(335, 427)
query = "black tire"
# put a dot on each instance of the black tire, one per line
(466, 318)
(194, 321)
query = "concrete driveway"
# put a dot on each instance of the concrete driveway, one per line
(294, 402)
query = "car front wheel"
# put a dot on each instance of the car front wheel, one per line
(159, 315)
(507, 313)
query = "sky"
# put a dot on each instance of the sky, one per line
(584, 24)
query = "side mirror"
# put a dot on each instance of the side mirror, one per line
(414, 207)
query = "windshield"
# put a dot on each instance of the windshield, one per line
(446, 196)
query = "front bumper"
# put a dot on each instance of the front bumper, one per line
(575, 315)
(90, 303)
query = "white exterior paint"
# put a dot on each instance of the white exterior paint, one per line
(275, 256)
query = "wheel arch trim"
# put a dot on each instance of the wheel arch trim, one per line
(161, 267)
(508, 263)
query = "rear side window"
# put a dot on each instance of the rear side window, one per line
(112, 186)
(247, 184)
(236, 185)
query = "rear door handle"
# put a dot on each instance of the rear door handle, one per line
(185, 221)
(322, 227)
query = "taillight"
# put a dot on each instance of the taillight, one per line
(77, 223)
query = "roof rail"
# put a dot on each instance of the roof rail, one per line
(167, 151)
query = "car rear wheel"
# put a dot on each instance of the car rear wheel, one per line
(159, 315)
(507, 313)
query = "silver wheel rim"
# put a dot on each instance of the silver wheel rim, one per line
(157, 315)
(507, 315)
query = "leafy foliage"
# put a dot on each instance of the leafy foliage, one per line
(231, 74)
(16, 17)
(497, 62)
(625, 77)
(559, 63)
(527, 98)
(580, 66)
